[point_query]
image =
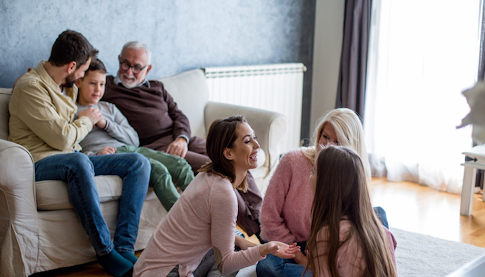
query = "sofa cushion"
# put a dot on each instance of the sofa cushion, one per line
(182, 87)
(53, 195)
(5, 94)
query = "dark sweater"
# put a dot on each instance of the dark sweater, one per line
(151, 111)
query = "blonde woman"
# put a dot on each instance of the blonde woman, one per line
(285, 215)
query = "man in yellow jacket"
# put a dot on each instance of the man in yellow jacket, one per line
(42, 110)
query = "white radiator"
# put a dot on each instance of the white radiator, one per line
(274, 87)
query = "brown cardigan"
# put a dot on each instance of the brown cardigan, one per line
(150, 110)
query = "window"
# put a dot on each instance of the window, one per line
(422, 55)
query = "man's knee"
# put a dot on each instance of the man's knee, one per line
(80, 162)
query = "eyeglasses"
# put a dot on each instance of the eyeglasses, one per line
(325, 140)
(125, 66)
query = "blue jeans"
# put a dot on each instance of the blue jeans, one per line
(273, 266)
(381, 215)
(78, 171)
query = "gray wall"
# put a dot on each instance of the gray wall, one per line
(181, 34)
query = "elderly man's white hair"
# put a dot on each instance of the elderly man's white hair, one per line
(138, 46)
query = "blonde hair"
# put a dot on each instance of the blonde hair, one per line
(350, 133)
(341, 192)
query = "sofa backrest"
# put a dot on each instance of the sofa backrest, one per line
(5, 94)
(190, 91)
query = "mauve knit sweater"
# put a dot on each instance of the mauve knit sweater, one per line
(285, 215)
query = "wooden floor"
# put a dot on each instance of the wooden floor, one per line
(409, 207)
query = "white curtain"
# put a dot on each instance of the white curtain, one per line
(422, 55)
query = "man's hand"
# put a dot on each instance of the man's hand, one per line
(279, 249)
(101, 123)
(178, 147)
(92, 113)
(107, 150)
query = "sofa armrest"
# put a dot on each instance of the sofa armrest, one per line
(18, 208)
(270, 127)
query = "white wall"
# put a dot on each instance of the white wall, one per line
(326, 56)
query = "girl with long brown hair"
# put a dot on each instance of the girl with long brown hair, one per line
(346, 237)
(285, 215)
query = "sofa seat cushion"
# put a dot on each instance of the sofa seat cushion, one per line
(53, 195)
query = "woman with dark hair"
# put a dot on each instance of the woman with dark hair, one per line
(205, 215)
(346, 237)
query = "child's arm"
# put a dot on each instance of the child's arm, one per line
(301, 259)
(119, 128)
(243, 243)
(107, 150)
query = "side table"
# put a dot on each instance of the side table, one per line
(477, 155)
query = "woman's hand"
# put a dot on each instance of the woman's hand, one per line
(279, 249)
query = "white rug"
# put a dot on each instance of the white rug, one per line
(421, 255)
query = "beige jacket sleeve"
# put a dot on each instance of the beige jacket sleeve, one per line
(50, 115)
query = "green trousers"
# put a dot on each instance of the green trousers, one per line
(168, 172)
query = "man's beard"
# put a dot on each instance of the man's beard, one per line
(70, 81)
(129, 85)
(69, 85)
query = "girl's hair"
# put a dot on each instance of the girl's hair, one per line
(341, 191)
(222, 134)
(348, 128)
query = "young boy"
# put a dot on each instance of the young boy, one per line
(113, 134)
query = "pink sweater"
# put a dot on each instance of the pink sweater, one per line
(349, 261)
(203, 218)
(286, 210)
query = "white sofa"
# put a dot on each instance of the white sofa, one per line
(40, 231)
